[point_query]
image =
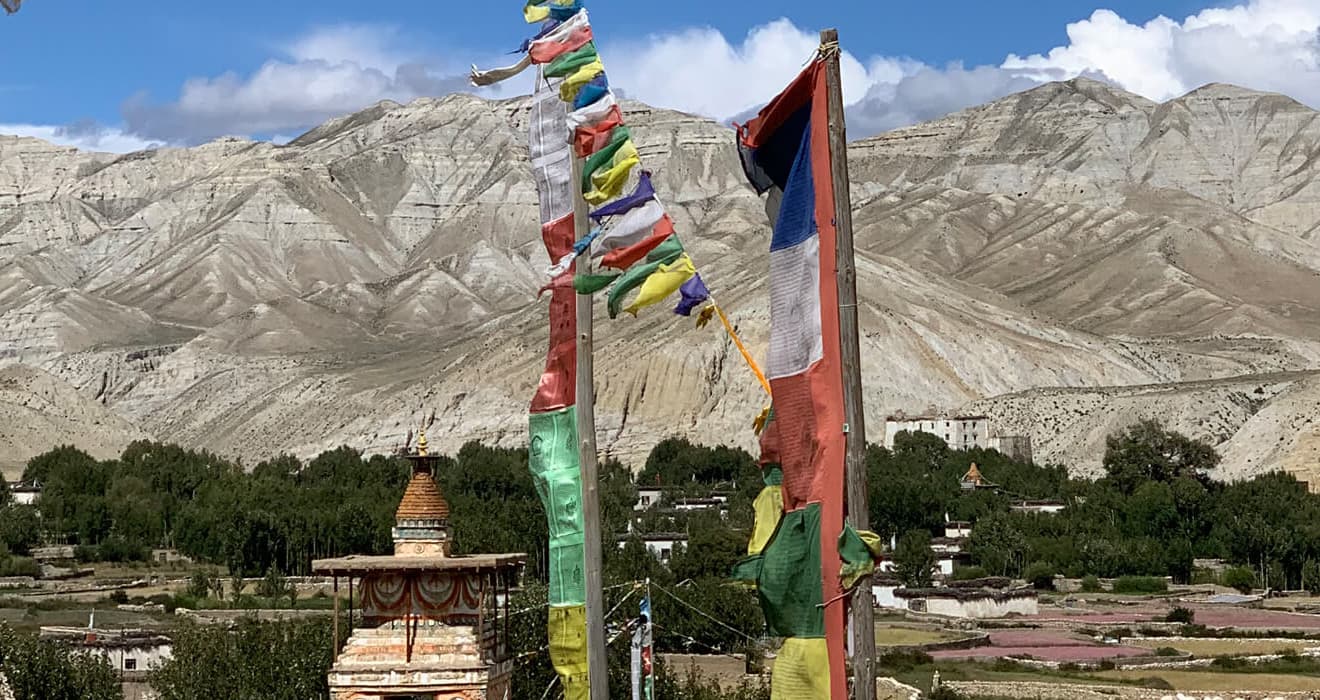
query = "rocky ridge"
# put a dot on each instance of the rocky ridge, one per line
(1065, 260)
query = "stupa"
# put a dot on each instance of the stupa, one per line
(434, 626)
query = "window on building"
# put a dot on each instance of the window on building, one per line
(130, 664)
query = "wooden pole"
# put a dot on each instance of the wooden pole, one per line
(597, 669)
(861, 606)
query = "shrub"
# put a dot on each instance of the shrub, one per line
(1180, 614)
(1155, 683)
(1040, 575)
(1140, 584)
(1228, 662)
(1106, 665)
(1239, 578)
(19, 566)
(1120, 633)
(904, 659)
(968, 573)
(1167, 651)
(1091, 584)
(118, 597)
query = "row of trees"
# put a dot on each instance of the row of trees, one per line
(1152, 512)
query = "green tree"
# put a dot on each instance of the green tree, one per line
(711, 551)
(998, 545)
(253, 661)
(43, 670)
(914, 561)
(1149, 452)
(1040, 575)
(20, 528)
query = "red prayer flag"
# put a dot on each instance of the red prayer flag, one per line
(589, 139)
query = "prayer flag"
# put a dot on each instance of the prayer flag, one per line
(664, 281)
(591, 138)
(631, 228)
(572, 84)
(694, 294)
(592, 113)
(566, 37)
(624, 258)
(593, 91)
(787, 146)
(572, 61)
(644, 193)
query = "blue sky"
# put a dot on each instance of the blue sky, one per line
(119, 75)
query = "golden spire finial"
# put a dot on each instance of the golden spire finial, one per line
(421, 443)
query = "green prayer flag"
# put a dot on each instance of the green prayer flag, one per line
(664, 254)
(568, 63)
(590, 284)
(601, 158)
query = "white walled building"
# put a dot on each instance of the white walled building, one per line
(660, 545)
(958, 432)
(25, 494)
(970, 604)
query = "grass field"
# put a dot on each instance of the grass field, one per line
(1220, 682)
(886, 636)
(32, 621)
(1225, 647)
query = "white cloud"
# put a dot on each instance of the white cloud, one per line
(1262, 44)
(700, 71)
(84, 136)
(335, 70)
(329, 72)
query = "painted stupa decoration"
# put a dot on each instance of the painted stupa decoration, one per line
(421, 524)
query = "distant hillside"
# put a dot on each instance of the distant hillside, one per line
(1068, 260)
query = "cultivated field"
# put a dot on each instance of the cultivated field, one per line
(1226, 647)
(1220, 682)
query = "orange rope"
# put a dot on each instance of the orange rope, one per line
(728, 327)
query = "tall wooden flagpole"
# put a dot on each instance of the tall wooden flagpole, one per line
(861, 607)
(597, 669)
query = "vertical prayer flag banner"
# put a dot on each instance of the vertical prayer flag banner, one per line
(786, 148)
(552, 451)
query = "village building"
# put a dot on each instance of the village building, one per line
(1045, 507)
(883, 589)
(957, 529)
(434, 625)
(958, 432)
(132, 653)
(25, 493)
(969, 603)
(661, 545)
(1016, 447)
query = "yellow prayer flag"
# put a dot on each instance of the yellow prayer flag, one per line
(664, 281)
(802, 670)
(609, 182)
(768, 506)
(573, 83)
(536, 13)
(568, 649)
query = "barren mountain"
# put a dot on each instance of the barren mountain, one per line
(1067, 260)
